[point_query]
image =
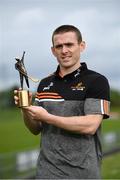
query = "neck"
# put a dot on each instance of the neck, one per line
(67, 70)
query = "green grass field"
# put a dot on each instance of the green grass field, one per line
(15, 137)
(111, 167)
(110, 126)
(111, 164)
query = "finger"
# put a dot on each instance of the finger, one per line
(16, 102)
(30, 95)
(28, 111)
(16, 98)
(15, 91)
(26, 108)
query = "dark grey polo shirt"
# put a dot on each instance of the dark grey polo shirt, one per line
(65, 154)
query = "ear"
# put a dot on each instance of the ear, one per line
(82, 46)
(53, 51)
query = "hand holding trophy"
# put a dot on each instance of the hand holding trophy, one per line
(23, 95)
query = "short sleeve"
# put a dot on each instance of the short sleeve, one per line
(98, 97)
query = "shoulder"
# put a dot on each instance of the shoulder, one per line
(90, 75)
(48, 78)
(95, 74)
(46, 81)
(98, 85)
(95, 77)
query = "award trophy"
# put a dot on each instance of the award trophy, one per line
(23, 94)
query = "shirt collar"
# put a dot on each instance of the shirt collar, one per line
(74, 74)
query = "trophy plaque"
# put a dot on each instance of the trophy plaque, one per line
(23, 95)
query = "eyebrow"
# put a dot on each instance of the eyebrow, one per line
(61, 45)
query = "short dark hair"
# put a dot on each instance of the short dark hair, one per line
(67, 28)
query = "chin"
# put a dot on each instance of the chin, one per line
(66, 64)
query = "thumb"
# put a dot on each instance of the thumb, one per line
(30, 96)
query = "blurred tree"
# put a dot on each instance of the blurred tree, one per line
(6, 97)
(115, 98)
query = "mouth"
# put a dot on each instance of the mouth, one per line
(66, 57)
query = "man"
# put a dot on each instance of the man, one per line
(71, 104)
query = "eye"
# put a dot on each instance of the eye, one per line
(59, 46)
(69, 44)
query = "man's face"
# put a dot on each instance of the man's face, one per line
(67, 49)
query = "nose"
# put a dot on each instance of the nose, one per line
(64, 49)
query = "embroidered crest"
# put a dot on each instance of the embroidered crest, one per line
(78, 87)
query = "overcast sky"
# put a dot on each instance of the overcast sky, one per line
(27, 25)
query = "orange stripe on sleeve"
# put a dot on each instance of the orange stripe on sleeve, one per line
(106, 107)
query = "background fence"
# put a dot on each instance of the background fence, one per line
(18, 165)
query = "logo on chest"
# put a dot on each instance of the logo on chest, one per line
(78, 87)
(48, 87)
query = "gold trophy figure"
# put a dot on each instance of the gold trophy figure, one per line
(22, 94)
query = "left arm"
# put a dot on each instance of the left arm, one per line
(80, 124)
(87, 124)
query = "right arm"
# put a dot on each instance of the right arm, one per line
(34, 126)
